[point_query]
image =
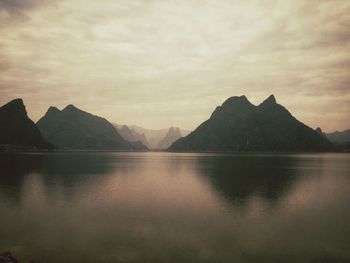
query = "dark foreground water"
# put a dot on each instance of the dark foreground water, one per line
(162, 207)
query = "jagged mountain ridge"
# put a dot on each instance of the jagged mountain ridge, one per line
(238, 125)
(267, 127)
(73, 128)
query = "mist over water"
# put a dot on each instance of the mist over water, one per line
(169, 207)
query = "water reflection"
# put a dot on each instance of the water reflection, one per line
(157, 207)
(238, 177)
(62, 169)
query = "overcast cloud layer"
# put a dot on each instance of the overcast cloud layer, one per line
(158, 63)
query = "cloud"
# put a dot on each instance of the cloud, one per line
(120, 59)
(15, 6)
(14, 10)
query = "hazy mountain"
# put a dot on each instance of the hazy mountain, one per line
(17, 130)
(130, 134)
(150, 137)
(154, 136)
(339, 136)
(73, 128)
(238, 125)
(173, 134)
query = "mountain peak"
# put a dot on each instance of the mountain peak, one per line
(319, 131)
(17, 101)
(236, 99)
(172, 135)
(234, 105)
(237, 102)
(17, 129)
(15, 106)
(269, 101)
(53, 109)
(70, 107)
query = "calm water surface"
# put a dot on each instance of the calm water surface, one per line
(164, 207)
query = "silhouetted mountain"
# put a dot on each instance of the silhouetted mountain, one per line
(319, 131)
(153, 136)
(339, 136)
(238, 125)
(131, 135)
(17, 131)
(172, 135)
(73, 128)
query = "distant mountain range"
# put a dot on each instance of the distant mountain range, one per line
(17, 131)
(73, 128)
(159, 139)
(339, 136)
(238, 125)
(340, 139)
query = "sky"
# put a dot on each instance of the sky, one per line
(161, 63)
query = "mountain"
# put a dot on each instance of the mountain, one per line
(138, 141)
(339, 136)
(139, 146)
(238, 125)
(131, 135)
(17, 131)
(149, 137)
(154, 136)
(73, 128)
(172, 135)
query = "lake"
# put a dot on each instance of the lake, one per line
(175, 207)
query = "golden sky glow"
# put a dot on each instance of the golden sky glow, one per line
(160, 63)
